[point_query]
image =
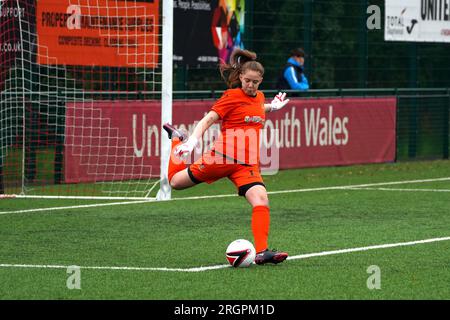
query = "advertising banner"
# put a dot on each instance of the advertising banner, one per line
(11, 46)
(112, 140)
(206, 32)
(98, 32)
(338, 131)
(417, 20)
(119, 140)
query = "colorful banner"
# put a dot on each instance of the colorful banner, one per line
(417, 20)
(119, 140)
(206, 32)
(98, 32)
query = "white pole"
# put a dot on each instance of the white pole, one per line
(164, 192)
(23, 101)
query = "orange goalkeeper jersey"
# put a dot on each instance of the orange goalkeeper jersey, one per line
(242, 118)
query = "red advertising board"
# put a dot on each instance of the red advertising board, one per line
(120, 140)
(98, 32)
(111, 140)
(341, 131)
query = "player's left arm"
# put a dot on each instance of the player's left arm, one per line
(278, 102)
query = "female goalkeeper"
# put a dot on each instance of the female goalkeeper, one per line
(235, 153)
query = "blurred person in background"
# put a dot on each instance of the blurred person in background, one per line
(292, 75)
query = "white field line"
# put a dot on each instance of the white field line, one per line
(381, 246)
(403, 190)
(74, 207)
(223, 266)
(357, 186)
(347, 187)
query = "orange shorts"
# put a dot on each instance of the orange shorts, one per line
(212, 167)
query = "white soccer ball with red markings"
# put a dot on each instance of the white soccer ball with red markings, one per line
(241, 253)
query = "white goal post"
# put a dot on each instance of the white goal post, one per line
(85, 86)
(164, 192)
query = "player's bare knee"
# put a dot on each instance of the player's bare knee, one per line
(263, 197)
(264, 201)
(175, 184)
(261, 200)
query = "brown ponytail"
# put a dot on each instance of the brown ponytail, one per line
(240, 61)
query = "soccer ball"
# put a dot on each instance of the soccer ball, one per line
(241, 253)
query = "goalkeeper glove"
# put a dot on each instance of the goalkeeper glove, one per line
(184, 149)
(278, 102)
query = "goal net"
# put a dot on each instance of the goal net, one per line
(81, 98)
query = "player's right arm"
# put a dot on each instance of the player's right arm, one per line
(218, 111)
(185, 148)
(204, 124)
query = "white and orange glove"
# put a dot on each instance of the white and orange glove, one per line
(278, 102)
(183, 150)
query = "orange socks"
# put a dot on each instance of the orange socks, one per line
(260, 227)
(175, 164)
